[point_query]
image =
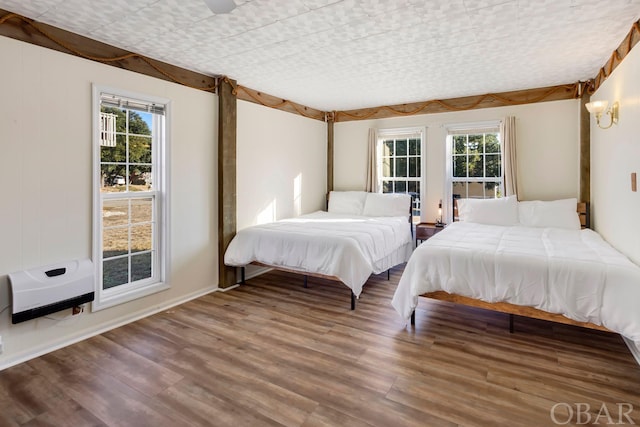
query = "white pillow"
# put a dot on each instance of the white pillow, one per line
(556, 214)
(503, 211)
(388, 204)
(347, 202)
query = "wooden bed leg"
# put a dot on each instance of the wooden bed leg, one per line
(413, 317)
(305, 280)
(389, 274)
(511, 323)
(242, 275)
(353, 301)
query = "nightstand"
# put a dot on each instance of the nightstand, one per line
(424, 230)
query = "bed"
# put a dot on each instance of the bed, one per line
(533, 261)
(360, 234)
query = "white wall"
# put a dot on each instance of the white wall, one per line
(615, 154)
(547, 146)
(281, 164)
(46, 194)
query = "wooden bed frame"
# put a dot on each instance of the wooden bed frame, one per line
(512, 309)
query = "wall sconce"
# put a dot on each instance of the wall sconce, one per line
(597, 108)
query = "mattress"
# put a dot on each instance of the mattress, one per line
(348, 247)
(570, 272)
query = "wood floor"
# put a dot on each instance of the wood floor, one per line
(274, 353)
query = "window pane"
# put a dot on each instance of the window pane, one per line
(475, 165)
(414, 147)
(387, 148)
(115, 212)
(141, 210)
(492, 165)
(140, 123)
(141, 266)
(139, 149)
(460, 166)
(387, 167)
(115, 241)
(492, 145)
(401, 167)
(387, 186)
(139, 178)
(459, 190)
(459, 144)
(412, 186)
(141, 238)
(476, 190)
(401, 187)
(475, 144)
(492, 189)
(414, 166)
(115, 272)
(115, 154)
(401, 147)
(113, 178)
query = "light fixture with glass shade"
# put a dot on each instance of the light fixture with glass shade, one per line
(598, 108)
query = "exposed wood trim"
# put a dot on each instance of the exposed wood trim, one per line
(618, 55)
(27, 30)
(260, 98)
(585, 147)
(505, 307)
(490, 100)
(330, 140)
(227, 121)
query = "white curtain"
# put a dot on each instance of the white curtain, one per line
(509, 164)
(372, 162)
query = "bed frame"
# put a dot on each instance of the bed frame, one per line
(512, 309)
(322, 276)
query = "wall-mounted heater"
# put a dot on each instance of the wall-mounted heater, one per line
(45, 290)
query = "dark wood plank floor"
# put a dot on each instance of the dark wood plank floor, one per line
(274, 353)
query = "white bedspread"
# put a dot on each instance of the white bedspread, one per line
(348, 247)
(571, 272)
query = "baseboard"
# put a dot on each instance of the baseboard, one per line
(257, 271)
(116, 323)
(635, 351)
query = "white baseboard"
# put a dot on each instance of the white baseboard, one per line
(633, 348)
(116, 323)
(256, 271)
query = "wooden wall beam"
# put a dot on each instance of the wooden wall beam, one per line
(330, 154)
(27, 30)
(632, 38)
(261, 98)
(227, 121)
(585, 147)
(518, 97)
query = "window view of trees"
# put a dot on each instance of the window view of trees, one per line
(476, 165)
(401, 168)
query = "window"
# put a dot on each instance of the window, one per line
(475, 163)
(400, 164)
(130, 197)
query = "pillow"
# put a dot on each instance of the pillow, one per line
(347, 202)
(503, 211)
(556, 214)
(388, 204)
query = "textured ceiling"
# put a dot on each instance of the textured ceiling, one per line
(345, 54)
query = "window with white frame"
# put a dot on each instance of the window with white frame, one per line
(130, 196)
(474, 162)
(400, 163)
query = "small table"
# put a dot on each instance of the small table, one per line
(424, 230)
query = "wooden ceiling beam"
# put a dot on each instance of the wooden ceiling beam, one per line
(632, 38)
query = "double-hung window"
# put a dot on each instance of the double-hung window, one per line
(400, 163)
(130, 196)
(474, 166)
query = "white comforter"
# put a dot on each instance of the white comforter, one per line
(348, 247)
(571, 272)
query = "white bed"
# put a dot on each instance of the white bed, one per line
(349, 243)
(567, 271)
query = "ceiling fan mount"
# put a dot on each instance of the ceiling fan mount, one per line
(220, 6)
